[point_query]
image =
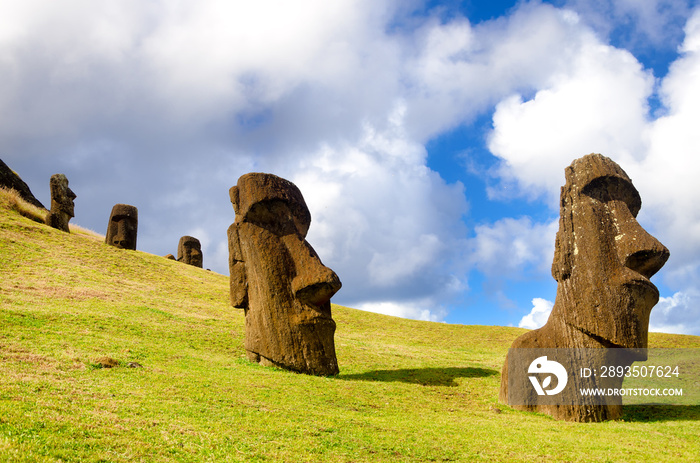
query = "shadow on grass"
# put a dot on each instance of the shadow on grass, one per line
(423, 376)
(656, 413)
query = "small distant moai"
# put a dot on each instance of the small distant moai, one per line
(123, 226)
(603, 261)
(278, 279)
(62, 203)
(189, 251)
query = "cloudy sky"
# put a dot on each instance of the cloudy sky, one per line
(428, 138)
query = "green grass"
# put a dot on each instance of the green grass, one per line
(407, 391)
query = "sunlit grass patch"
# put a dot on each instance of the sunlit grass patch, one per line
(407, 391)
(11, 199)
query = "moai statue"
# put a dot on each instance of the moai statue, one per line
(278, 279)
(62, 205)
(169, 257)
(123, 226)
(189, 251)
(603, 261)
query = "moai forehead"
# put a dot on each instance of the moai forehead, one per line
(59, 184)
(189, 241)
(601, 178)
(257, 198)
(124, 212)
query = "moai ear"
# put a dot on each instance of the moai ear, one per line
(233, 194)
(561, 265)
(236, 266)
(564, 242)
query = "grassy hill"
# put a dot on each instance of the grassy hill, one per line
(408, 390)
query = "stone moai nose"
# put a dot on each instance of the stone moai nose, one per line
(637, 249)
(122, 231)
(314, 283)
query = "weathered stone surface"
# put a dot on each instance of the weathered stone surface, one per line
(123, 227)
(9, 179)
(603, 261)
(62, 203)
(170, 257)
(278, 279)
(189, 251)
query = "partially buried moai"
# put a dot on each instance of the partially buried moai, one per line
(189, 251)
(123, 226)
(278, 279)
(62, 203)
(603, 261)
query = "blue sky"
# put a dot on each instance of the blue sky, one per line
(428, 138)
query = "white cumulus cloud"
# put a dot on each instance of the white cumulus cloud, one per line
(510, 248)
(600, 104)
(414, 310)
(381, 219)
(679, 313)
(538, 316)
(597, 104)
(163, 105)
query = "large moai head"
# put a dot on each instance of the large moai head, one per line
(62, 203)
(189, 251)
(603, 258)
(278, 278)
(603, 262)
(123, 226)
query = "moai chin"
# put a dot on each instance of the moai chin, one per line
(189, 251)
(603, 261)
(278, 279)
(123, 226)
(62, 203)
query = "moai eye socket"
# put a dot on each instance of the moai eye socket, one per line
(613, 188)
(275, 216)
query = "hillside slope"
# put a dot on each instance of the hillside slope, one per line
(408, 390)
